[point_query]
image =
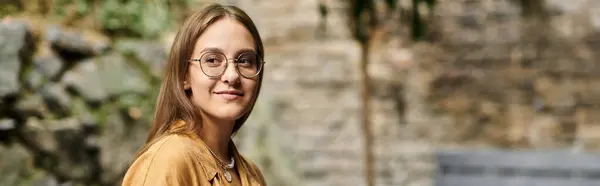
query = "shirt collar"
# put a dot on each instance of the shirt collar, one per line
(208, 162)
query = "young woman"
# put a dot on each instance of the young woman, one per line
(212, 79)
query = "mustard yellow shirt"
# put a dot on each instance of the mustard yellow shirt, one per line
(184, 160)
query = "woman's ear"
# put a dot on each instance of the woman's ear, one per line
(186, 82)
(186, 85)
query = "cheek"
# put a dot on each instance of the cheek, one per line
(251, 86)
(200, 84)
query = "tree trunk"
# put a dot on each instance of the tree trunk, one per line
(366, 114)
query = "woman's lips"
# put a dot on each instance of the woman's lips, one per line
(230, 95)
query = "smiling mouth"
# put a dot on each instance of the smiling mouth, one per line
(230, 92)
(230, 95)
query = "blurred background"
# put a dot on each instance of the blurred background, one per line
(351, 86)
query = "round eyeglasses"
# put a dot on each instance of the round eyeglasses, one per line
(213, 64)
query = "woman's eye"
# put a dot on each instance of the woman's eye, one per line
(245, 62)
(211, 60)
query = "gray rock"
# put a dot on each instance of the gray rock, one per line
(83, 113)
(566, 7)
(72, 156)
(37, 131)
(72, 44)
(31, 105)
(106, 76)
(34, 79)
(15, 38)
(9, 73)
(62, 146)
(48, 181)
(15, 166)
(63, 124)
(52, 135)
(119, 77)
(56, 97)
(16, 45)
(152, 54)
(7, 124)
(7, 130)
(49, 65)
(86, 81)
(118, 142)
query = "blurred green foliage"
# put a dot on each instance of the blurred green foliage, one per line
(135, 17)
(82, 6)
(130, 18)
(7, 10)
(363, 17)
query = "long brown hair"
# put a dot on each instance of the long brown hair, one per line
(172, 103)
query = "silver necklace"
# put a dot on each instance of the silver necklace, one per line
(224, 166)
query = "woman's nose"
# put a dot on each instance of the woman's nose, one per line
(230, 76)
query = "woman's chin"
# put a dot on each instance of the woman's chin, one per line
(229, 114)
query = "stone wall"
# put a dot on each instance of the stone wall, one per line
(487, 78)
(74, 106)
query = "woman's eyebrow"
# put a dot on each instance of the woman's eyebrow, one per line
(246, 50)
(214, 49)
(211, 49)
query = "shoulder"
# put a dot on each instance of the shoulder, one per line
(170, 145)
(167, 161)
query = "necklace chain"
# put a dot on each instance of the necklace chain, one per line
(225, 166)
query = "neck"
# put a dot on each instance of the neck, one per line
(216, 134)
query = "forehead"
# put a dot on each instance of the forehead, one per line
(226, 35)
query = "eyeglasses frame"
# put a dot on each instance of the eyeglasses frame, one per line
(261, 62)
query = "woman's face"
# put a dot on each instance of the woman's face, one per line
(228, 96)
